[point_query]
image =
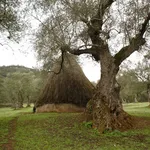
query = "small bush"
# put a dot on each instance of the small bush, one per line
(88, 124)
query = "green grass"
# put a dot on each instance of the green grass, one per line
(60, 131)
(4, 122)
(138, 109)
(10, 112)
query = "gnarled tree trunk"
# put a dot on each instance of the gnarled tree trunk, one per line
(105, 106)
(106, 110)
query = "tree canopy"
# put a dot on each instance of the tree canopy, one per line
(78, 26)
(19, 85)
(10, 22)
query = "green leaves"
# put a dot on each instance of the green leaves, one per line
(19, 84)
(9, 19)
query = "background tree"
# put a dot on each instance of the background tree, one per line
(95, 28)
(13, 90)
(19, 85)
(142, 71)
(132, 88)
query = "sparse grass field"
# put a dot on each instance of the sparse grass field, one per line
(22, 130)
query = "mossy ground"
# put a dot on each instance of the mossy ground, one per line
(23, 130)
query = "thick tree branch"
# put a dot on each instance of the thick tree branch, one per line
(103, 5)
(79, 51)
(83, 51)
(134, 45)
(96, 22)
(93, 50)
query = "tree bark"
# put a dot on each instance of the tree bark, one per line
(20, 99)
(148, 92)
(28, 101)
(106, 106)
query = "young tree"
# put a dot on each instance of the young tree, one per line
(90, 27)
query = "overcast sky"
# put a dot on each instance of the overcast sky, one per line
(15, 56)
(23, 54)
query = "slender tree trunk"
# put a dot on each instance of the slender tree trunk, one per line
(20, 99)
(106, 106)
(13, 103)
(28, 101)
(135, 98)
(148, 92)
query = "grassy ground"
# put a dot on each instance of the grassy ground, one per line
(138, 109)
(22, 130)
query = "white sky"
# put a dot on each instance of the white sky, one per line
(13, 56)
(21, 54)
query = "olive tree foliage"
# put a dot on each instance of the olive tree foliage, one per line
(63, 26)
(67, 24)
(10, 23)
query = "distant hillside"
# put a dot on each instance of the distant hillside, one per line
(4, 70)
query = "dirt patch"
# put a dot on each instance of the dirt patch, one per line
(60, 108)
(141, 122)
(11, 132)
(139, 137)
(71, 120)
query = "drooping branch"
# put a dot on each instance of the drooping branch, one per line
(135, 43)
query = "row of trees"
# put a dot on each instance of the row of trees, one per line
(19, 87)
(135, 83)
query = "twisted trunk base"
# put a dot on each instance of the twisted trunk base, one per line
(107, 116)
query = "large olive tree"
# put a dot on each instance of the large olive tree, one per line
(109, 31)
